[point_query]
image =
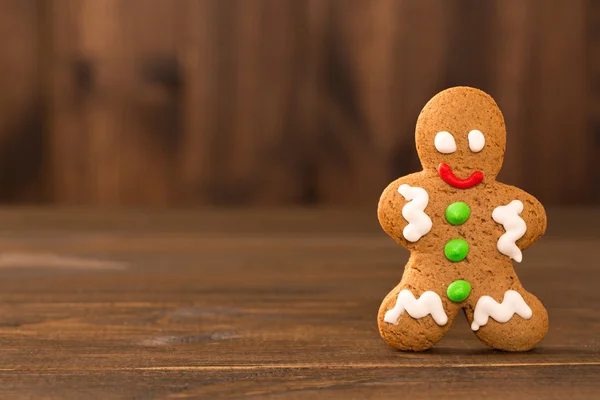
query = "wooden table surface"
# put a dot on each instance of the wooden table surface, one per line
(263, 304)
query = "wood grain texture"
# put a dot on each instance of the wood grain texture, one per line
(21, 111)
(119, 118)
(279, 102)
(593, 85)
(280, 304)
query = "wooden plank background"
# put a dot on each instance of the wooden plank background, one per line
(260, 102)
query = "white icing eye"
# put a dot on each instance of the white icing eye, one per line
(476, 141)
(444, 142)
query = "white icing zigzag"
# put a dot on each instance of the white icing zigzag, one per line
(428, 303)
(487, 307)
(419, 223)
(514, 226)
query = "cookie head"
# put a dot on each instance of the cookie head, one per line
(461, 134)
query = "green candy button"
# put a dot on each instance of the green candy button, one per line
(458, 291)
(458, 213)
(456, 249)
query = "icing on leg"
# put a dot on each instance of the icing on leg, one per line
(487, 307)
(428, 303)
(515, 227)
(419, 223)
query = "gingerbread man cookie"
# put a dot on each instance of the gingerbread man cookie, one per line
(463, 229)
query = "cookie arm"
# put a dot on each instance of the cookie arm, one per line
(534, 216)
(391, 204)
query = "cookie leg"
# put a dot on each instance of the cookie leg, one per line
(413, 318)
(514, 320)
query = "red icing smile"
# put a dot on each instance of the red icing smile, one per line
(448, 176)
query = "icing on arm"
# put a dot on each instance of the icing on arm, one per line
(515, 227)
(428, 303)
(487, 307)
(419, 223)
